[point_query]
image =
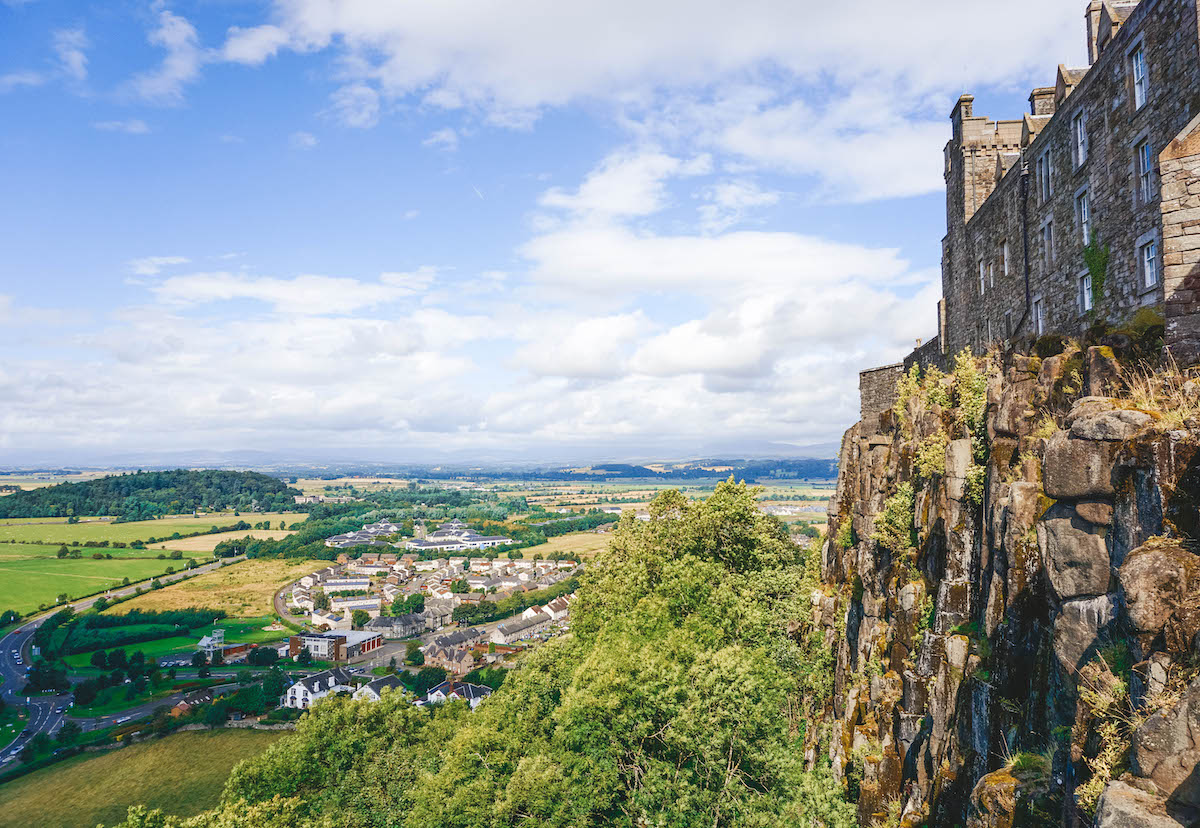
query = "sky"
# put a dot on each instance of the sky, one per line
(520, 229)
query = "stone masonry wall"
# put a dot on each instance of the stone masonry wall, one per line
(877, 390)
(980, 220)
(1180, 168)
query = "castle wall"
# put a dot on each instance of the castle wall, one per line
(978, 230)
(877, 390)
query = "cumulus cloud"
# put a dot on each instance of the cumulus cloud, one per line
(627, 183)
(443, 139)
(180, 66)
(356, 105)
(306, 295)
(254, 45)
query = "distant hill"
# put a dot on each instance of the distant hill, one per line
(145, 495)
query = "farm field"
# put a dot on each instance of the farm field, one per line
(243, 589)
(182, 774)
(207, 543)
(57, 533)
(38, 481)
(580, 544)
(25, 583)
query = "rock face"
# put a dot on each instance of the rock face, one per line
(1038, 555)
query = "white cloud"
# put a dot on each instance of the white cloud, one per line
(153, 265)
(254, 45)
(305, 295)
(69, 45)
(15, 80)
(356, 105)
(133, 126)
(444, 139)
(627, 183)
(180, 66)
(303, 140)
(729, 202)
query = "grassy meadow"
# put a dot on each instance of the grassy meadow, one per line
(580, 544)
(242, 589)
(26, 583)
(182, 774)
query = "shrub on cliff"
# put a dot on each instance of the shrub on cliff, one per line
(894, 529)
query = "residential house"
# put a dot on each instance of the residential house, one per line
(373, 691)
(307, 690)
(398, 626)
(330, 620)
(372, 604)
(472, 694)
(520, 628)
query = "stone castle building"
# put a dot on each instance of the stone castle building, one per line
(1109, 156)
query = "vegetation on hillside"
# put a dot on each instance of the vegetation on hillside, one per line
(679, 698)
(146, 495)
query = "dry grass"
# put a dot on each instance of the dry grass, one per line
(183, 774)
(1168, 390)
(241, 589)
(207, 543)
(580, 544)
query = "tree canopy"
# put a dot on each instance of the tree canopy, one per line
(679, 698)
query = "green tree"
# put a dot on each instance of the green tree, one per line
(359, 618)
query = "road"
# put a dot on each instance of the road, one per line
(43, 716)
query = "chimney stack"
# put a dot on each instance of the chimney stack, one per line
(1093, 29)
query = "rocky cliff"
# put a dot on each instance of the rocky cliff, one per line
(1012, 586)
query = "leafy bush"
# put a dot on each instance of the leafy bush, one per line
(894, 526)
(930, 458)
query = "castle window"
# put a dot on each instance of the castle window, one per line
(1039, 320)
(1004, 257)
(1048, 243)
(1083, 214)
(1141, 79)
(1045, 178)
(1079, 134)
(1085, 293)
(1008, 331)
(1148, 258)
(1144, 162)
(991, 274)
(982, 277)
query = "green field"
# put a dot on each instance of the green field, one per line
(27, 583)
(29, 531)
(182, 774)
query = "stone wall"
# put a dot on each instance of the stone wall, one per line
(927, 355)
(1180, 168)
(994, 194)
(877, 390)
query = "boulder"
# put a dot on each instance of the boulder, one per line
(1098, 512)
(1077, 469)
(1166, 751)
(1124, 806)
(1103, 371)
(1113, 425)
(1080, 628)
(1155, 578)
(1076, 556)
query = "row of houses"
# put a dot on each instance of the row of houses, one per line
(308, 690)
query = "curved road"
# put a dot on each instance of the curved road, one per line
(44, 711)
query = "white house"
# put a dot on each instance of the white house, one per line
(557, 609)
(330, 619)
(346, 585)
(373, 691)
(520, 628)
(348, 605)
(307, 690)
(472, 694)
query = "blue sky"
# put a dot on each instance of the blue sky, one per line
(493, 229)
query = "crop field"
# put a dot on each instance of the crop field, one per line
(24, 531)
(207, 543)
(579, 544)
(182, 774)
(243, 589)
(38, 481)
(26, 583)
